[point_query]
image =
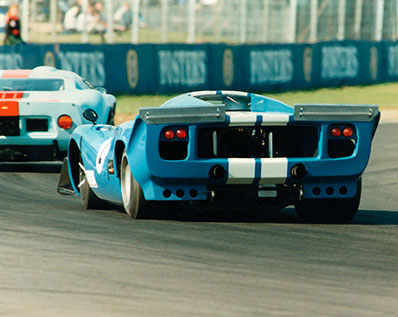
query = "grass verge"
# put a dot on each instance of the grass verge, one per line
(384, 95)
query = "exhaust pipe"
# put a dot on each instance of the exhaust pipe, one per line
(298, 171)
(217, 172)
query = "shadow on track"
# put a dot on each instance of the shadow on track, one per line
(288, 216)
(376, 217)
(47, 167)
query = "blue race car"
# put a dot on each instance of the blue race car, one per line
(225, 149)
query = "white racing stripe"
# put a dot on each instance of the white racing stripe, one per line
(244, 118)
(241, 170)
(240, 118)
(273, 170)
(275, 119)
(267, 170)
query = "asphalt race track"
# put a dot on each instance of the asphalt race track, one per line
(57, 259)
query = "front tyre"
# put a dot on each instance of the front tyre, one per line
(134, 202)
(338, 210)
(88, 197)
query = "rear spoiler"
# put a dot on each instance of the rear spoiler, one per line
(302, 112)
(335, 112)
(162, 115)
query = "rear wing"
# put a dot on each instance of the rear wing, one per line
(335, 112)
(302, 112)
(169, 115)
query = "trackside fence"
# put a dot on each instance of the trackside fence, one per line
(215, 21)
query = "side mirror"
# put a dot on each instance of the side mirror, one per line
(90, 115)
(101, 90)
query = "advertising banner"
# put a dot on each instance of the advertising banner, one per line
(175, 68)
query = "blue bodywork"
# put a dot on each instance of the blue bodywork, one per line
(187, 179)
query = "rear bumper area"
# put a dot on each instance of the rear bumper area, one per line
(36, 137)
(311, 178)
(276, 195)
(31, 152)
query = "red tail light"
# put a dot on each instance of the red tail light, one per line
(347, 132)
(65, 122)
(169, 134)
(335, 132)
(181, 133)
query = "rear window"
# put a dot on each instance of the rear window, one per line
(31, 84)
(83, 84)
(231, 102)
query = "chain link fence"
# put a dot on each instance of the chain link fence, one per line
(215, 21)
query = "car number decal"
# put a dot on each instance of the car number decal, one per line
(91, 178)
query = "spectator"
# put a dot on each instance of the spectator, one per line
(70, 19)
(90, 20)
(99, 16)
(13, 26)
(124, 18)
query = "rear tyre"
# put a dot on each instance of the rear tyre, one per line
(340, 210)
(88, 197)
(134, 202)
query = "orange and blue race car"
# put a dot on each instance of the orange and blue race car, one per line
(40, 108)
